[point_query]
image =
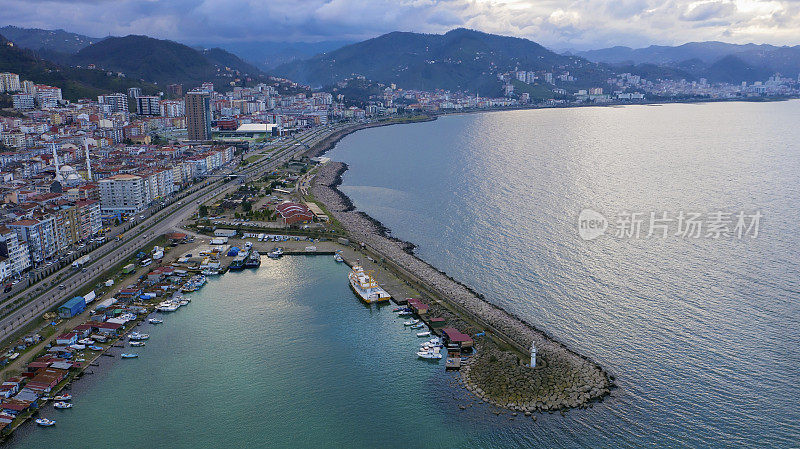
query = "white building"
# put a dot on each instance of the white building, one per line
(147, 106)
(9, 82)
(23, 101)
(122, 194)
(15, 252)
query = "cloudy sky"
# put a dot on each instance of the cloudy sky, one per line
(579, 24)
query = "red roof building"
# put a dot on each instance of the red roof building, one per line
(293, 213)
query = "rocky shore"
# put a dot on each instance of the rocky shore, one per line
(562, 378)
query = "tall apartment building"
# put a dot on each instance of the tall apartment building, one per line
(47, 96)
(198, 115)
(9, 82)
(23, 101)
(175, 90)
(118, 102)
(14, 251)
(89, 218)
(122, 194)
(147, 106)
(134, 92)
(172, 108)
(40, 236)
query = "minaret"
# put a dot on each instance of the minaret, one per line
(55, 161)
(88, 161)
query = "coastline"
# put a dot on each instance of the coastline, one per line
(562, 379)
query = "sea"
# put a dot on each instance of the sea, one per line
(661, 241)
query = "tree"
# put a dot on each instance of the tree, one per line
(203, 210)
(247, 206)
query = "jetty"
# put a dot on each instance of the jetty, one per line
(499, 373)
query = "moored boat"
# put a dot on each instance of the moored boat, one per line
(135, 336)
(62, 405)
(411, 323)
(155, 321)
(63, 397)
(365, 286)
(137, 343)
(338, 257)
(95, 348)
(129, 355)
(253, 261)
(44, 422)
(275, 253)
(424, 334)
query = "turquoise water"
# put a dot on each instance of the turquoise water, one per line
(703, 335)
(283, 356)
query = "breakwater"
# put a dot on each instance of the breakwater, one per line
(561, 378)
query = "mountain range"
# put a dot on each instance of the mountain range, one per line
(459, 60)
(717, 61)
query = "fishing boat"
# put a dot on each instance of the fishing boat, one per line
(62, 405)
(95, 348)
(365, 286)
(433, 354)
(239, 261)
(44, 422)
(63, 397)
(78, 347)
(210, 272)
(254, 261)
(411, 323)
(129, 355)
(86, 341)
(137, 343)
(155, 321)
(275, 253)
(399, 309)
(135, 336)
(167, 306)
(338, 257)
(424, 334)
(418, 326)
(404, 313)
(183, 302)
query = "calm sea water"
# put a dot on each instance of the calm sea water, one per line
(703, 335)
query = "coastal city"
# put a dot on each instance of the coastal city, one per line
(213, 232)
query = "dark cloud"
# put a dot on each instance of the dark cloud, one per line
(558, 23)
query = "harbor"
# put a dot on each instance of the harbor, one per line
(371, 369)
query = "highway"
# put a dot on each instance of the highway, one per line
(161, 221)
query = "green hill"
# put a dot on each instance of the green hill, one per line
(459, 60)
(75, 83)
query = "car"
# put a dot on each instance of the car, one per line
(84, 270)
(7, 288)
(62, 287)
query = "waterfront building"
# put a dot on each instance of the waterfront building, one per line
(40, 236)
(122, 194)
(198, 115)
(14, 251)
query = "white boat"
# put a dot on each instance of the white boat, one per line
(135, 336)
(155, 321)
(166, 307)
(364, 285)
(338, 257)
(63, 397)
(184, 302)
(137, 343)
(44, 422)
(275, 253)
(423, 334)
(78, 347)
(411, 323)
(129, 355)
(418, 326)
(431, 355)
(86, 341)
(62, 405)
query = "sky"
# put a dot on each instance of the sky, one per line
(578, 24)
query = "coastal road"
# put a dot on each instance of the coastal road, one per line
(159, 223)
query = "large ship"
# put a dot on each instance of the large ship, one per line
(365, 287)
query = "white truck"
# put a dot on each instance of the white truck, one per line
(79, 263)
